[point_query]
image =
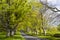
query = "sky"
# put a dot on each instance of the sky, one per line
(56, 3)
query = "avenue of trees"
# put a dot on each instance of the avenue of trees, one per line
(16, 15)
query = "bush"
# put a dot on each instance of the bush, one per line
(56, 35)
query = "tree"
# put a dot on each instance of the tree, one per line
(58, 27)
(32, 21)
(12, 12)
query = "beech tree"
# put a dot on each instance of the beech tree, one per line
(12, 12)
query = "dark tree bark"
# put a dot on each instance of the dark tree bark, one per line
(11, 32)
(8, 33)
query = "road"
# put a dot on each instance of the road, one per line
(27, 37)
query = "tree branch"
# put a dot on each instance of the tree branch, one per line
(53, 9)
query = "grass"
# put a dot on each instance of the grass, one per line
(49, 37)
(15, 37)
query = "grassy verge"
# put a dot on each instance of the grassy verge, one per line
(49, 37)
(15, 37)
(44, 37)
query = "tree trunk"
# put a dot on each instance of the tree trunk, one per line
(8, 33)
(44, 31)
(12, 33)
(36, 32)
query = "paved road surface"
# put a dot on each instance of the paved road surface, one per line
(30, 37)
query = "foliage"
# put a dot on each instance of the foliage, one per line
(12, 12)
(58, 27)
